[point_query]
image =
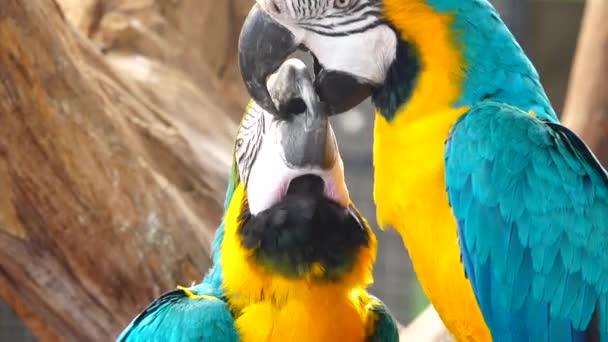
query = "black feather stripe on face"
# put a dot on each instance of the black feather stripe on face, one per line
(321, 16)
(249, 140)
(333, 33)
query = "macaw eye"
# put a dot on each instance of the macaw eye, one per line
(341, 3)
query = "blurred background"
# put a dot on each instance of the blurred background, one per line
(167, 81)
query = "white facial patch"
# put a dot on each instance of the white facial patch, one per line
(375, 51)
(333, 39)
(262, 167)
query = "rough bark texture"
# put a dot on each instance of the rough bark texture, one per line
(586, 109)
(103, 201)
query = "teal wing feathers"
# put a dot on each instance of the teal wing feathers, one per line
(385, 327)
(531, 203)
(181, 315)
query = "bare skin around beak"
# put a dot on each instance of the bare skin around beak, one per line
(265, 43)
(306, 138)
(299, 142)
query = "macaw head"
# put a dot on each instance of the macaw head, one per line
(352, 44)
(290, 214)
(430, 54)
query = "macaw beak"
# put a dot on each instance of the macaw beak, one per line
(298, 143)
(305, 136)
(264, 44)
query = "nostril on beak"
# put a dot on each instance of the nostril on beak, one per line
(294, 106)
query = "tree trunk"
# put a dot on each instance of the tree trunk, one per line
(106, 198)
(586, 109)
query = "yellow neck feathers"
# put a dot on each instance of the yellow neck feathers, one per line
(409, 188)
(441, 63)
(271, 307)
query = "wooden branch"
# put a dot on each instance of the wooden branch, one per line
(586, 109)
(111, 177)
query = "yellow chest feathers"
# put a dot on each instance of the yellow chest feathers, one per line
(321, 317)
(409, 188)
(270, 307)
(409, 192)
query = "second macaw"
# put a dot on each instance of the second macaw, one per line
(503, 210)
(293, 256)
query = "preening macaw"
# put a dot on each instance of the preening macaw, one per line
(503, 210)
(293, 256)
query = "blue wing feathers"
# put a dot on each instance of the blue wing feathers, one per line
(175, 316)
(531, 202)
(523, 282)
(385, 328)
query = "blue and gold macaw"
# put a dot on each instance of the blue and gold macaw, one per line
(472, 166)
(292, 257)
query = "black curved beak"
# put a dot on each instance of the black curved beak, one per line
(306, 138)
(264, 44)
(342, 91)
